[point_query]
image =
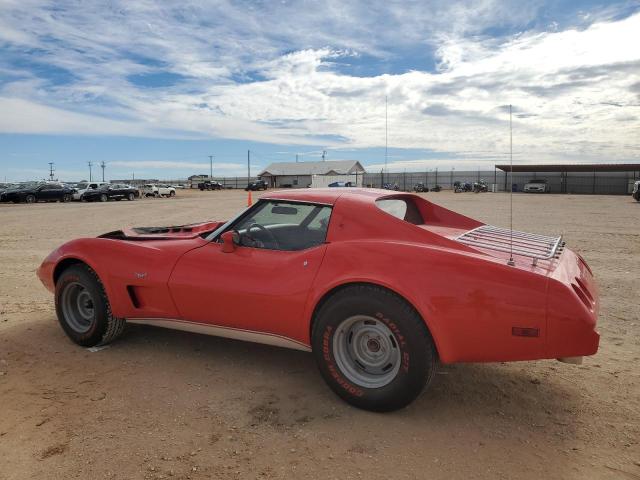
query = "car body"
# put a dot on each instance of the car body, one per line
(257, 185)
(340, 184)
(536, 185)
(37, 192)
(420, 187)
(82, 187)
(115, 191)
(636, 190)
(210, 185)
(402, 271)
(159, 190)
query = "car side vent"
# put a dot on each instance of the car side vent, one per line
(132, 295)
(582, 296)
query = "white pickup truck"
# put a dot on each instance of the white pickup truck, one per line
(84, 186)
(159, 190)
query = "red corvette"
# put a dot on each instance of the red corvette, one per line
(379, 285)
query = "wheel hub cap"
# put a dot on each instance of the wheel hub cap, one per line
(366, 351)
(77, 307)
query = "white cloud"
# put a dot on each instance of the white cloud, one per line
(572, 88)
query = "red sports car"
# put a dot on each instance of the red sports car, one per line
(379, 285)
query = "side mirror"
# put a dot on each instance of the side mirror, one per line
(228, 241)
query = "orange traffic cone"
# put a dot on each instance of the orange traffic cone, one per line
(249, 200)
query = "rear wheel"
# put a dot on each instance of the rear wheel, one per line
(103, 198)
(66, 198)
(131, 197)
(83, 308)
(172, 193)
(30, 199)
(372, 348)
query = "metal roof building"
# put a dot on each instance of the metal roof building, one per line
(300, 174)
(593, 178)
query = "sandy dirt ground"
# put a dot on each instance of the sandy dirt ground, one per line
(167, 404)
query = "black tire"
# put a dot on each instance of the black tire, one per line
(103, 327)
(30, 199)
(103, 198)
(172, 193)
(66, 198)
(408, 334)
(131, 197)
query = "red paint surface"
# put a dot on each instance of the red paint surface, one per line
(469, 298)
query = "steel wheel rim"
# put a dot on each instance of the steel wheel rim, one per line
(366, 351)
(78, 307)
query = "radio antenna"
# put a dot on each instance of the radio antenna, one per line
(511, 262)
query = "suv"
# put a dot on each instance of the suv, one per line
(257, 185)
(537, 185)
(636, 191)
(210, 185)
(158, 190)
(83, 187)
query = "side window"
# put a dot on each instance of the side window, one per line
(278, 225)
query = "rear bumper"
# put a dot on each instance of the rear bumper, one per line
(572, 309)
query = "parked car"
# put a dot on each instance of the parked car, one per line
(82, 187)
(210, 185)
(636, 190)
(537, 185)
(390, 186)
(258, 185)
(420, 187)
(340, 184)
(159, 190)
(37, 192)
(437, 188)
(116, 191)
(380, 286)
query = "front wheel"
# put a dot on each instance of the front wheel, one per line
(30, 199)
(131, 197)
(372, 348)
(83, 308)
(172, 193)
(103, 198)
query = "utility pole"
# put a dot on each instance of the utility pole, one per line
(386, 131)
(90, 165)
(51, 170)
(210, 167)
(103, 165)
(324, 154)
(248, 167)
(296, 158)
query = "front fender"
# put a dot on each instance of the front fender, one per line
(134, 274)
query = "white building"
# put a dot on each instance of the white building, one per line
(301, 174)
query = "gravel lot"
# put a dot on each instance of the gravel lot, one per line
(168, 404)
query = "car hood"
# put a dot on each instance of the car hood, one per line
(175, 232)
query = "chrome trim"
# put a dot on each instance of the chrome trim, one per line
(226, 332)
(537, 247)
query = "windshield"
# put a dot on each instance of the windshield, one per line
(538, 181)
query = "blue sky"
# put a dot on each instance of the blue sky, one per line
(153, 88)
